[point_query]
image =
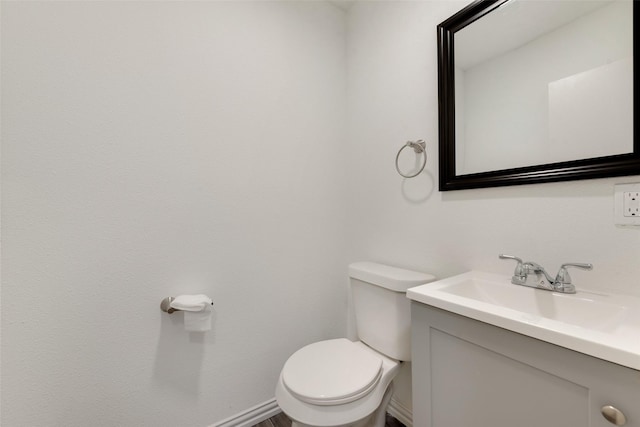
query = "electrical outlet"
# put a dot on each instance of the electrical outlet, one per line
(627, 204)
(631, 203)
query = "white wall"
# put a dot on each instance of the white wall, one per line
(393, 97)
(158, 148)
(408, 223)
(151, 149)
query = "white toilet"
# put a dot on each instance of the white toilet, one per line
(340, 383)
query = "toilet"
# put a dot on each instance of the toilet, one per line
(341, 383)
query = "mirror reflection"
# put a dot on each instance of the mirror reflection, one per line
(539, 82)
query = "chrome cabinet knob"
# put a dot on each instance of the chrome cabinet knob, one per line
(613, 415)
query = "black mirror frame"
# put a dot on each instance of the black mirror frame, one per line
(598, 167)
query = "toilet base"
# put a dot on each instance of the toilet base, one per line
(376, 419)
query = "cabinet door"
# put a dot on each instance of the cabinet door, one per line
(470, 374)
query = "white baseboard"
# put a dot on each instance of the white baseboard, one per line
(400, 413)
(268, 409)
(251, 416)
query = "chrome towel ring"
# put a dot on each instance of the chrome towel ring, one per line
(419, 147)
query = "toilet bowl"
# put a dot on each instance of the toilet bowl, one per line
(342, 383)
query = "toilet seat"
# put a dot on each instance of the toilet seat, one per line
(333, 415)
(331, 372)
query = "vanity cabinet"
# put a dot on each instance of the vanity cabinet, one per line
(468, 373)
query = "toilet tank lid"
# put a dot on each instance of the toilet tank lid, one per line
(393, 278)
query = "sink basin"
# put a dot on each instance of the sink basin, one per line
(600, 324)
(586, 310)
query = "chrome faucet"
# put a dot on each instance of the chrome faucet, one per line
(534, 275)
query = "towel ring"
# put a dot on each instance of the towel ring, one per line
(419, 147)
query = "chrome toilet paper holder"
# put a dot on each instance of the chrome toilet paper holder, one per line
(165, 305)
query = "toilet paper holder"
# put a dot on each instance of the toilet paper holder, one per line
(165, 305)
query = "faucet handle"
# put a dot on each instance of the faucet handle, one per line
(519, 271)
(563, 279)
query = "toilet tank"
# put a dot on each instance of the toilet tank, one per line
(381, 307)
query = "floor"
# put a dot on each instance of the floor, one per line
(281, 420)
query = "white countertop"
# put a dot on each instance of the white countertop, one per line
(599, 324)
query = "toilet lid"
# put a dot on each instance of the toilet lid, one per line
(331, 372)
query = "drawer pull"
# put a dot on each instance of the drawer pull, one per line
(613, 415)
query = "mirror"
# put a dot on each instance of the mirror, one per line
(536, 91)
